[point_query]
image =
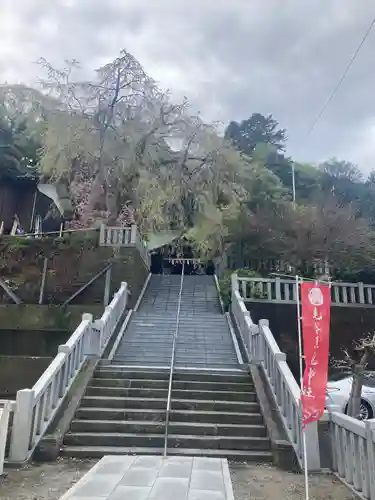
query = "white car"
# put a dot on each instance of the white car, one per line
(338, 392)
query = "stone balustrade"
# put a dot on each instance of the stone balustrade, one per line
(262, 349)
(6, 408)
(352, 442)
(353, 452)
(124, 237)
(36, 408)
(284, 291)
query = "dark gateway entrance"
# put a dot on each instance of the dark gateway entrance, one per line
(167, 260)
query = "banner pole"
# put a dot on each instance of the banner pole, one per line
(300, 349)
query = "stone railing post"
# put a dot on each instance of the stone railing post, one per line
(234, 284)
(361, 293)
(312, 446)
(260, 354)
(278, 288)
(4, 425)
(102, 235)
(64, 349)
(22, 426)
(370, 428)
(254, 356)
(92, 346)
(133, 234)
(88, 339)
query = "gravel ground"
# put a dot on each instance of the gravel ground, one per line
(262, 482)
(43, 482)
(250, 482)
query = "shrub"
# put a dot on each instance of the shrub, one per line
(225, 284)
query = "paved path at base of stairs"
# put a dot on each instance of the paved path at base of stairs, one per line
(155, 478)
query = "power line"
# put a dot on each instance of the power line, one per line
(342, 77)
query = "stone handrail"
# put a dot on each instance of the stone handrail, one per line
(37, 407)
(352, 441)
(141, 245)
(277, 266)
(284, 291)
(262, 349)
(124, 237)
(117, 236)
(353, 452)
(6, 408)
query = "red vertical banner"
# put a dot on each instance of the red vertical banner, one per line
(316, 305)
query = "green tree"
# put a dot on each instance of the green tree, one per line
(371, 178)
(257, 129)
(18, 150)
(340, 169)
(117, 139)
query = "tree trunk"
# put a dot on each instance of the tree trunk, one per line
(354, 404)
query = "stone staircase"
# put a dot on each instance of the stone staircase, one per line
(214, 408)
(212, 414)
(204, 338)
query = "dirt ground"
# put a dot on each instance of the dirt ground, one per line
(262, 482)
(250, 482)
(43, 482)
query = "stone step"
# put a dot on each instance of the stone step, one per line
(227, 406)
(176, 394)
(135, 362)
(174, 428)
(142, 341)
(160, 404)
(257, 456)
(166, 323)
(111, 371)
(135, 403)
(151, 349)
(210, 417)
(233, 376)
(122, 414)
(174, 441)
(191, 303)
(216, 417)
(163, 384)
(129, 383)
(122, 392)
(184, 357)
(118, 426)
(163, 336)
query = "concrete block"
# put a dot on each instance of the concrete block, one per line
(139, 476)
(170, 489)
(207, 480)
(114, 465)
(147, 462)
(176, 470)
(207, 464)
(206, 495)
(130, 493)
(97, 486)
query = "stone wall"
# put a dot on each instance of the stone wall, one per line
(129, 266)
(44, 317)
(34, 330)
(71, 262)
(19, 372)
(348, 324)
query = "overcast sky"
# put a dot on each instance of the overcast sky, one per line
(229, 57)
